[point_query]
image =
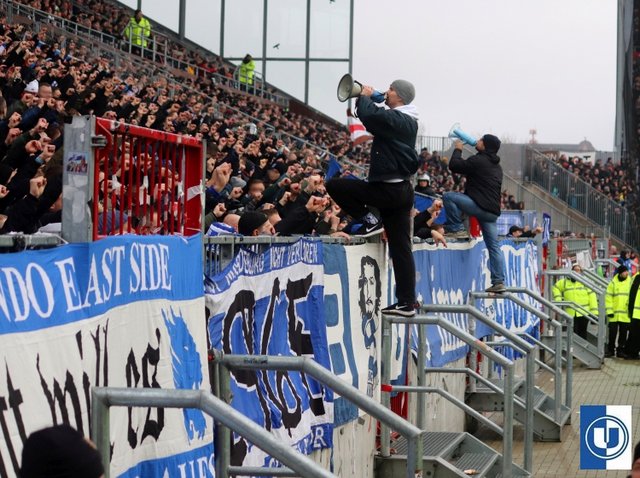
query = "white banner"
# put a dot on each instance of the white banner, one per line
(121, 312)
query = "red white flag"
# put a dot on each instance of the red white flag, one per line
(357, 130)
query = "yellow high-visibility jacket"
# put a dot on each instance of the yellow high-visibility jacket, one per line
(634, 309)
(138, 33)
(617, 299)
(578, 293)
(245, 72)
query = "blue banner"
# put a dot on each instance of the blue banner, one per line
(41, 289)
(272, 304)
(446, 276)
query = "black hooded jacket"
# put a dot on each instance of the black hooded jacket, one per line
(393, 154)
(484, 178)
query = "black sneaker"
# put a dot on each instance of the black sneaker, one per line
(368, 229)
(401, 310)
(496, 288)
(608, 354)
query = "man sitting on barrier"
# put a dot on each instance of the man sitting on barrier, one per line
(480, 199)
(568, 289)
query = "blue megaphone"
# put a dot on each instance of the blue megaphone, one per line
(377, 97)
(456, 133)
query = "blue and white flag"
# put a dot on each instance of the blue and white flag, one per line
(272, 304)
(606, 437)
(125, 311)
(446, 276)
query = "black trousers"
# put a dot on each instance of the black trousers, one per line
(633, 341)
(395, 202)
(614, 328)
(580, 326)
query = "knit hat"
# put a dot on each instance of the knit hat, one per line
(60, 451)
(250, 221)
(636, 452)
(621, 269)
(405, 90)
(491, 143)
(32, 87)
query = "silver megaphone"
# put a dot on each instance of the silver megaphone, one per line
(456, 133)
(350, 88)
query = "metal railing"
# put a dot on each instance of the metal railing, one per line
(102, 398)
(422, 321)
(518, 344)
(557, 369)
(582, 197)
(559, 219)
(568, 361)
(308, 366)
(596, 287)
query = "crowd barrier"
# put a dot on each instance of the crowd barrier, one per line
(133, 180)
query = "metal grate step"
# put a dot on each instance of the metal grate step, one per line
(479, 462)
(433, 443)
(538, 396)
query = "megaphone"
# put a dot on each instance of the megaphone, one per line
(350, 88)
(456, 133)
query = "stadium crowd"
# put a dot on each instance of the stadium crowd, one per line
(609, 178)
(260, 156)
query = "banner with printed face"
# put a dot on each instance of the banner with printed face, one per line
(271, 303)
(121, 312)
(445, 276)
(356, 289)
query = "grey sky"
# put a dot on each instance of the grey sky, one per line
(499, 66)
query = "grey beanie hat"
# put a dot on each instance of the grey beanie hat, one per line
(405, 90)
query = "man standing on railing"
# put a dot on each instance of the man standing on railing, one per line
(570, 290)
(480, 199)
(138, 31)
(394, 161)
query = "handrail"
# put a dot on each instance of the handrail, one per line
(600, 294)
(518, 343)
(105, 397)
(422, 321)
(558, 337)
(569, 319)
(309, 366)
(595, 278)
(582, 197)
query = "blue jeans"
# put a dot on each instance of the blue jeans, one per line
(457, 203)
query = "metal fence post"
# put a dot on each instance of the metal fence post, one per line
(100, 429)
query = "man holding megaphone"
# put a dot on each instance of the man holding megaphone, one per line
(394, 161)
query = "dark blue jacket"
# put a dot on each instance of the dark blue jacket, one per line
(393, 153)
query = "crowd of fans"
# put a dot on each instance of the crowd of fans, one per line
(609, 178)
(251, 163)
(260, 157)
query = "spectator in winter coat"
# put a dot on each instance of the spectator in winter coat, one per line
(480, 199)
(394, 161)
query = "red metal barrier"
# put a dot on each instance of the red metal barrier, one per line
(146, 182)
